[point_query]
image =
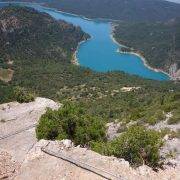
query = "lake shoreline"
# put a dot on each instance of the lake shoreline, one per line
(74, 59)
(136, 54)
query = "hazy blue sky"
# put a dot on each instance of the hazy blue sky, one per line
(178, 1)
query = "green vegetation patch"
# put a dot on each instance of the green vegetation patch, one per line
(71, 122)
(137, 145)
(22, 95)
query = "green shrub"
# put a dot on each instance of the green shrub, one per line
(156, 117)
(71, 122)
(137, 145)
(22, 95)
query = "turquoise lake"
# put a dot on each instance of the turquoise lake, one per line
(100, 52)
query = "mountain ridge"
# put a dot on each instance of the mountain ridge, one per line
(123, 10)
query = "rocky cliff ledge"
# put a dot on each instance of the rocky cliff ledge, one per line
(22, 157)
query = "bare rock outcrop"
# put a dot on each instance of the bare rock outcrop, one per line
(164, 124)
(40, 165)
(112, 130)
(171, 152)
(17, 125)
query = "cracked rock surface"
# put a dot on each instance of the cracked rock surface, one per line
(16, 117)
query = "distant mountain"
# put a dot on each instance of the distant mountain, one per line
(125, 10)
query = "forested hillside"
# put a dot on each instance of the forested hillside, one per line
(26, 34)
(125, 10)
(30, 41)
(41, 57)
(159, 43)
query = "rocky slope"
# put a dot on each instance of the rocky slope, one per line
(17, 126)
(21, 156)
(60, 169)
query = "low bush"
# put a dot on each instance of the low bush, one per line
(71, 122)
(156, 117)
(22, 95)
(137, 145)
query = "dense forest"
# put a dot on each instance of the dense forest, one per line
(159, 43)
(25, 34)
(124, 10)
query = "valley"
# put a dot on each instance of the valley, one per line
(155, 56)
(77, 104)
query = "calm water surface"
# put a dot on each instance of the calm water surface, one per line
(100, 52)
